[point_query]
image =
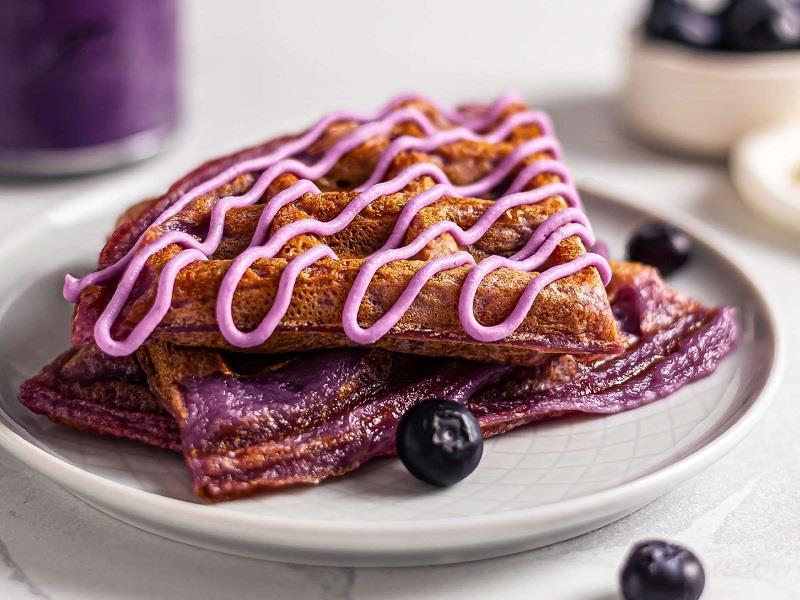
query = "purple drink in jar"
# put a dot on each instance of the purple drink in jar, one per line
(85, 84)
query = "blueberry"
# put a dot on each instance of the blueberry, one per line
(754, 25)
(660, 245)
(659, 570)
(439, 441)
(676, 21)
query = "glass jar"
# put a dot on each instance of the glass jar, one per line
(85, 85)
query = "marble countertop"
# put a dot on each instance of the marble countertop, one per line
(250, 73)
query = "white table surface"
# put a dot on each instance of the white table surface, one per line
(254, 70)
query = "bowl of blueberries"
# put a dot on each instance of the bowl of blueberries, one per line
(700, 77)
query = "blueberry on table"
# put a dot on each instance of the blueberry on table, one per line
(439, 441)
(660, 245)
(658, 570)
(758, 25)
(676, 21)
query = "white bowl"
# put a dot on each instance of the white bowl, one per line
(702, 101)
(765, 168)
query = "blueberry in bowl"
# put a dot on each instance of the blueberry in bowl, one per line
(741, 26)
(677, 21)
(698, 81)
(761, 25)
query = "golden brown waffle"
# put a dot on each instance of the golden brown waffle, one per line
(571, 315)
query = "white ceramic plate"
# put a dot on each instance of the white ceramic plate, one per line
(535, 486)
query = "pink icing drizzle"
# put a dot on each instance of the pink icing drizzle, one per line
(539, 247)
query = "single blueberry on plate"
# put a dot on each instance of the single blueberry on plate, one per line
(759, 25)
(676, 21)
(439, 441)
(659, 570)
(661, 245)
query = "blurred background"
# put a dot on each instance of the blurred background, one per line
(358, 54)
(249, 70)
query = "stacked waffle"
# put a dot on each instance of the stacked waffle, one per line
(276, 312)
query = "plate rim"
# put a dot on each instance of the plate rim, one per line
(384, 535)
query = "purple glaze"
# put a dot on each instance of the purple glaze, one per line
(260, 416)
(219, 402)
(653, 369)
(149, 428)
(533, 255)
(310, 389)
(362, 427)
(320, 414)
(91, 391)
(80, 74)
